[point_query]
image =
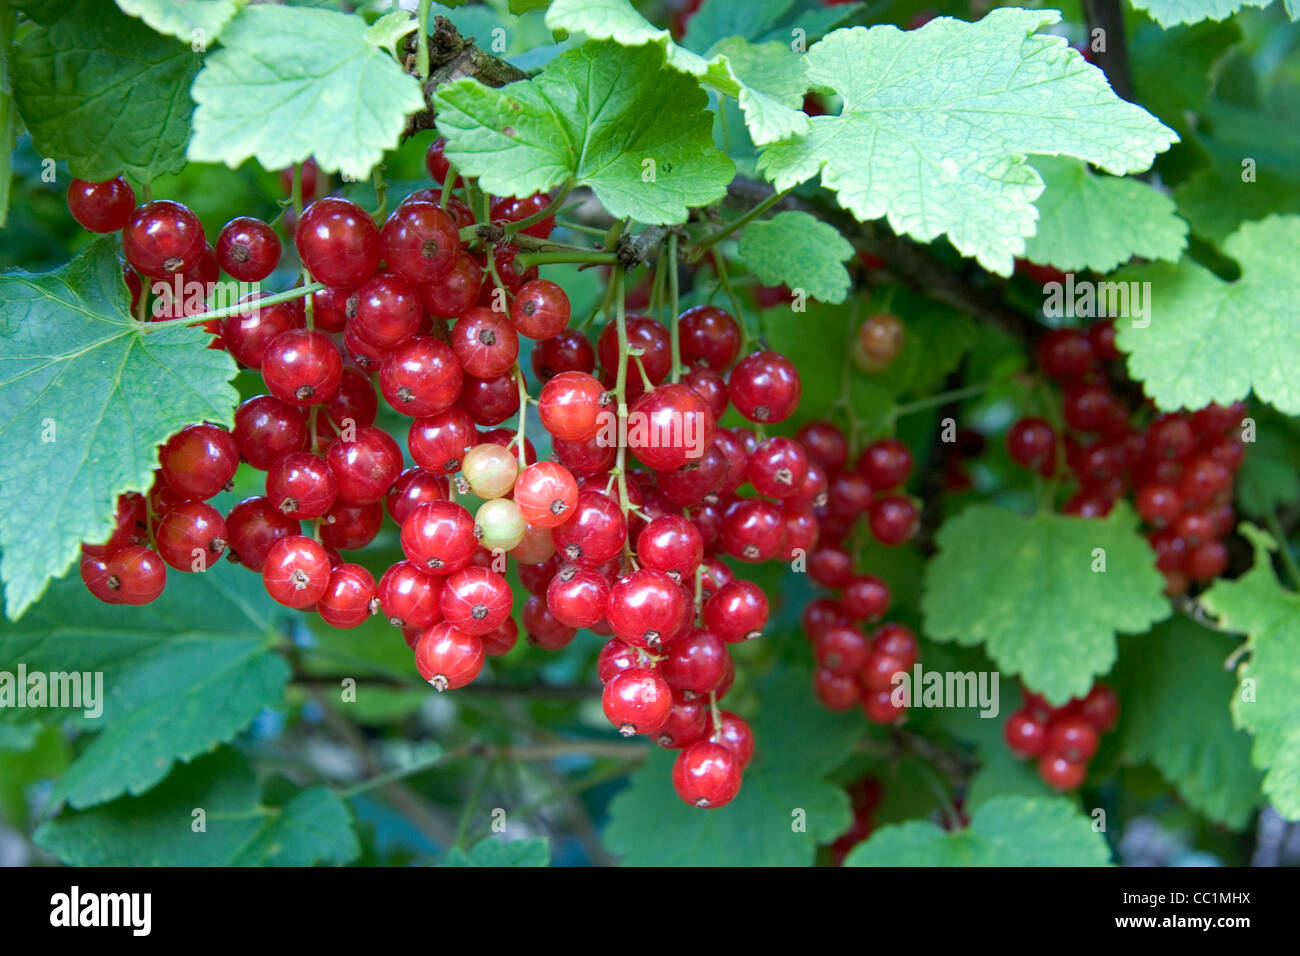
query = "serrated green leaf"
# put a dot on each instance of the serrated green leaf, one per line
(1169, 13)
(290, 83)
(106, 93)
(179, 677)
(1174, 693)
(1005, 831)
(1213, 341)
(1172, 69)
(935, 159)
(1270, 473)
(797, 250)
(389, 29)
(534, 851)
(797, 743)
(161, 828)
(767, 118)
(1026, 588)
(87, 394)
(1100, 222)
(603, 116)
(194, 21)
(1267, 700)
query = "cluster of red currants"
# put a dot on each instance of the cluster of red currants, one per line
(1180, 467)
(1063, 739)
(409, 313)
(854, 667)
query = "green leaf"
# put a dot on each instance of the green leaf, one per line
(87, 394)
(599, 115)
(1174, 693)
(19, 770)
(1213, 341)
(784, 810)
(161, 828)
(718, 19)
(1270, 473)
(106, 93)
(390, 29)
(8, 115)
(1033, 592)
(767, 116)
(534, 851)
(179, 677)
(1267, 700)
(193, 21)
(290, 83)
(1005, 831)
(797, 250)
(1099, 222)
(935, 158)
(1169, 13)
(1173, 69)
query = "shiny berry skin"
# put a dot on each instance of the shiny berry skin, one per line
(1207, 561)
(510, 209)
(614, 658)
(1158, 504)
(296, 572)
(879, 707)
(643, 333)
(825, 444)
(502, 639)
(646, 608)
(671, 544)
(577, 596)
(247, 334)
(838, 693)
(455, 292)
(574, 406)
(701, 476)
(489, 401)
(709, 337)
(777, 467)
(94, 574)
(885, 464)
(349, 597)
(101, 207)
(595, 533)
(687, 722)
(734, 734)
(535, 546)
(1031, 443)
(695, 663)
(420, 242)
(1100, 708)
(737, 612)
(475, 600)
(409, 597)
(137, 575)
(338, 242)
(355, 402)
(546, 494)
(821, 614)
(388, 311)
(1170, 436)
(1061, 773)
(505, 437)
(485, 343)
(1065, 354)
(503, 258)
(669, 426)
(438, 537)
(248, 249)
(765, 387)
(365, 467)
(302, 367)
(266, 428)
(881, 338)
(437, 164)
(198, 461)
(349, 527)
(129, 527)
(897, 641)
(540, 310)
(1073, 738)
(438, 442)
(591, 457)
(637, 701)
(191, 536)
(163, 238)
(252, 527)
(830, 566)
(1204, 481)
(707, 775)
(447, 657)
(569, 351)
(542, 628)
(752, 530)
(490, 469)
(421, 377)
(1025, 734)
(301, 485)
(841, 650)
(331, 308)
(711, 387)
(865, 598)
(893, 519)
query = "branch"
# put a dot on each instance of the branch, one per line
(1108, 16)
(452, 56)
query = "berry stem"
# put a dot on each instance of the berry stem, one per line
(673, 329)
(1283, 548)
(620, 389)
(446, 186)
(707, 242)
(523, 415)
(381, 195)
(526, 260)
(720, 265)
(295, 193)
(422, 44)
(239, 307)
(512, 228)
(941, 398)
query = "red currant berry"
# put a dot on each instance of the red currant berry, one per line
(296, 572)
(252, 527)
(734, 734)
(475, 600)
(136, 574)
(410, 597)
(94, 574)
(645, 334)
(489, 401)
(191, 536)
(669, 426)
(646, 608)
(420, 242)
(1025, 734)
(573, 406)
(865, 598)
(447, 657)
(1031, 443)
(737, 612)
(637, 701)
(248, 249)
(437, 164)
(825, 444)
(349, 597)
(777, 467)
(577, 596)
(438, 443)
(365, 467)
(544, 629)
(349, 527)
(510, 209)
(885, 464)
(540, 310)
(707, 775)
(456, 291)
(765, 387)
(585, 458)
(830, 566)
(673, 545)
(266, 428)
(438, 536)
(247, 334)
(841, 650)
(338, 242)
(354, 404)
(836, 692)
(485, 343)
(302, 367)
(163, 238)
(569, 351)
(1065, 354)
(546, 494)
(595, 533)
(1073, 738)
(388, 312)
(301, 485)
(1061, 773)
(101, 207)
(709, 337)
(752, 530)
(502, 639)
(893, 519)
(421, 377)
(198, 461)
(687, 722)
(1100, 708)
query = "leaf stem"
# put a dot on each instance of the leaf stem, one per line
(1284, 548)
(526, 260)
(422, 39)
(674, 330)
(941, 398)
(706, 242)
